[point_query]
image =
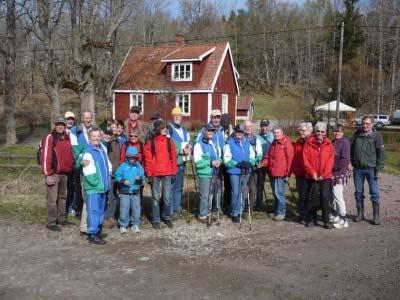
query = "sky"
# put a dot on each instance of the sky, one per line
(225, 6)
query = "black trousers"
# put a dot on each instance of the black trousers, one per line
(319, 197)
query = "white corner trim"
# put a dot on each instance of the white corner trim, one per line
(164, 58)
(205, 54)
(113, 106)
(200, 58)
(209, 105)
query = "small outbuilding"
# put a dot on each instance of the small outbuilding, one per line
(245, 108)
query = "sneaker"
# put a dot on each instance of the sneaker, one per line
(135, 229)
(156, 225)
(122, 230)
(278, 218)
(334, 219)
(341, 224)
(54, 228)
(94, 239)
(169, 224)
(203, 220)
(72, 213)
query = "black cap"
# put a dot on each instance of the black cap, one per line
(264, 122)
(239, 128)
(107, 132)
(59, 120)
(209, 127)
(135, 109)
(155, 116)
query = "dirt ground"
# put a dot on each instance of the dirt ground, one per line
(274, 260)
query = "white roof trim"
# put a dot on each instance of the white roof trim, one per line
(120, 68)
(161, 91)
(200, 58)
(235, 72)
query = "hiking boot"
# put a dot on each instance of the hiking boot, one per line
(122, 230)
(169, 223)
(175, 216)
(360, 212)
(66, 223)
(334, 219)
(375, 208)
(94, 239)
(341, 224)
(83, 233)
(156, 225)
(278, 218)
(102, 235)
(109, 223)
(310, 224)
(235, 220)
(328, 225)
(54, 228)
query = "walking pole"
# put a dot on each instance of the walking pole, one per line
(248, 200)
(194, 176)
(241, 199)
(218, 202)
(188, 202)
(291, 190)
(210, 191)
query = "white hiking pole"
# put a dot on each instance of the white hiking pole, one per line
(249, 211)
(241, 199)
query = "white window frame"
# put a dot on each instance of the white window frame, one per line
(133, 101)
(180, 65)
(224, 97)
(177, 96)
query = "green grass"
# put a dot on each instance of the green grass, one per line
(392, 162)
(282, 105)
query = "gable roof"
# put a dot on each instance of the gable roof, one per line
(144, 68)
(244, 103)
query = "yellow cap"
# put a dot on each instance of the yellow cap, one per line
(177, 111)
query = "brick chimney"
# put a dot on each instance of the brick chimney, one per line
(180, 40)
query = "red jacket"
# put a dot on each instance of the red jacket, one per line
(57, 154)
(140, 148)
(298, 163)
(159, 162)
(279, 157)
(318, 158)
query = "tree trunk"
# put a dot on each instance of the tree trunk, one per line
(379, 102)
(10, 74)
(87, 96)
(394, 68)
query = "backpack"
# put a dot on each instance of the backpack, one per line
(153, 147)
(40, 150)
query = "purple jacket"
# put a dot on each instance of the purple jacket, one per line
(342, 159)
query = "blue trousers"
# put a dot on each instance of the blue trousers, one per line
(95, 206)
(237, 197)
(278, 190)
(129, 210)
(177, 190)
(360, 174)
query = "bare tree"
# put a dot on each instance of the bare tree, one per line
(9, 53)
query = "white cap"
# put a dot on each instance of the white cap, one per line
(69, 114)
(215, 112)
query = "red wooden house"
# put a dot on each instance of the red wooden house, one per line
(197, 78)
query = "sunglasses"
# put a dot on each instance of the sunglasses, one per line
(133, 135)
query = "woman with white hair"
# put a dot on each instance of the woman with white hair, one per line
(318, 156)
(305, 130)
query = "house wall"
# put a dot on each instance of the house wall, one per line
(163, 105)
(226, 85)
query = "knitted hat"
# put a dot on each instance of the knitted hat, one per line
(177, 111)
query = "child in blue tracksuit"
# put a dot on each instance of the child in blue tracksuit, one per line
(130, 175)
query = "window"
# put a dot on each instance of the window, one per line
(224, 104)
(182, 72)
(183, 101)
(137, 100)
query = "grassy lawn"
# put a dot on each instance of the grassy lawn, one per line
(282, 105)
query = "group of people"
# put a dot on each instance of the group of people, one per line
(100, 174)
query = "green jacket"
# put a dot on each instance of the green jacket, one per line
(367, 150)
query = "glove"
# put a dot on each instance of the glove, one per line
(149, 179)
(245, 165)
(50, 180)
(139, 181)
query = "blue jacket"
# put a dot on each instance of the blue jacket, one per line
(218, 139)
(236, 152)
(266, 141)
(97, 174)
(128, 171)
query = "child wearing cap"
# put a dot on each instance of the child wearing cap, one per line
(130, 175)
